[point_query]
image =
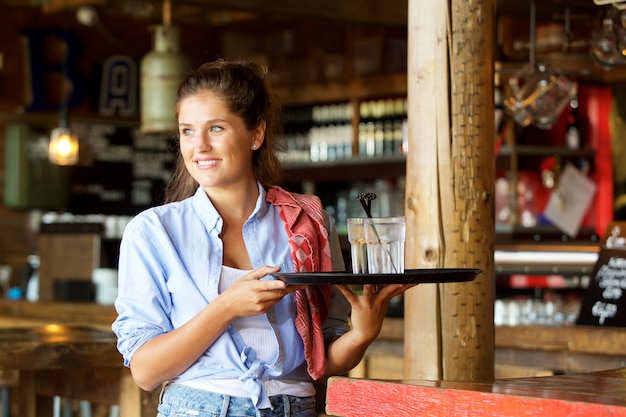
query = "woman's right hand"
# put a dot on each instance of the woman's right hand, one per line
(250, 295)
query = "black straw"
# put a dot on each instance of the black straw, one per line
(366, 201)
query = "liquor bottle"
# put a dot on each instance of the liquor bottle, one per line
(572, 135)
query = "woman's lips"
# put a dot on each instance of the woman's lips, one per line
(207, 163)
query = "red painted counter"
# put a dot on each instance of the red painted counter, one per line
(584, 395)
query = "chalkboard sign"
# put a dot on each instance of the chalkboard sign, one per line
(604, 303)
(120, 170)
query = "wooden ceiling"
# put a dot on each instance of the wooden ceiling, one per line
(371, 12)
(583, 14)
(216, 12)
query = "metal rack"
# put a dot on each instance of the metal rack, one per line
(619, 4)
(546, 259)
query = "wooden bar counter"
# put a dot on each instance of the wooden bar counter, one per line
(540, 371)
(519, 351)
(569, 349)
(69, 350)
(596, 394)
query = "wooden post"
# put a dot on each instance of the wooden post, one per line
(449, 330)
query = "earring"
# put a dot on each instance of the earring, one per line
(254, 145)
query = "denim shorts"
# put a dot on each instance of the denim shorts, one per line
(180, 401)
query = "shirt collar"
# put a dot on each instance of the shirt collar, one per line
(210, 216)
(262, 206)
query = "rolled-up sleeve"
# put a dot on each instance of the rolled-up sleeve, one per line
(143, 302)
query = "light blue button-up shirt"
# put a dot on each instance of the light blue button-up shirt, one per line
(169, 269)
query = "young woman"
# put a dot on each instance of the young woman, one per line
(198, 308)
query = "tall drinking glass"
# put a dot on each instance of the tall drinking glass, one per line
(358, 248)
(385, 238)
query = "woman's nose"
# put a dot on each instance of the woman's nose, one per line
(203, 142)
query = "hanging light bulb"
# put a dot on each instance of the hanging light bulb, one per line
(162, 70)
(63, 148)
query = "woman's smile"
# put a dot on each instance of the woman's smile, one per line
(207, 163)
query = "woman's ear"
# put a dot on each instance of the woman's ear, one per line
(258, 135)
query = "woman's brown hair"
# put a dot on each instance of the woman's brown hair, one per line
(244, 88)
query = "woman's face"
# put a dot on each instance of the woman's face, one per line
(214, 143)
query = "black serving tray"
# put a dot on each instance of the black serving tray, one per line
(410, 276)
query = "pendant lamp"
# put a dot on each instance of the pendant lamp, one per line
(63, 147)
(162, 70)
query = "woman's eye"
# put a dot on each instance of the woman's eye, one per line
(215, 128)
(186, 131)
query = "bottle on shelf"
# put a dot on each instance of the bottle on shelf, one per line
(324, 132)
(572, 135)
(297, 121)
(332, 131)
(381, 127)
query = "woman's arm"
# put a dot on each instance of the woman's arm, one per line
(168, 355)
(368, 313)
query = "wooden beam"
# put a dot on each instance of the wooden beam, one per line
(358, 88)
(428, 117)
(372, 12)
(575, 339)
(55, 6)
(450, 182)
(468, 223)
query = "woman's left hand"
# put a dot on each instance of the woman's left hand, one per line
(369, 309)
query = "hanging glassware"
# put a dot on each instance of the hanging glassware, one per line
(605, 43)
(539, 92)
